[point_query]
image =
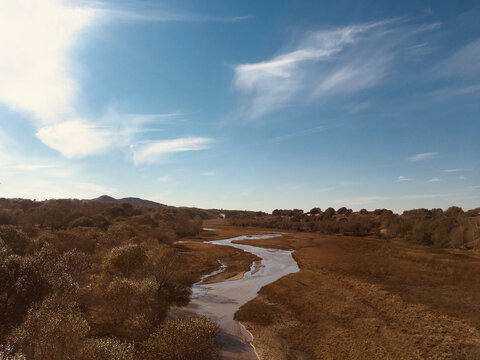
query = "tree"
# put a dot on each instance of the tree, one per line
(329, 213)
(454, 211)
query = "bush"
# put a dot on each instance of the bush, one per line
(107, 349)
(15, 239)
(182, 339)
(81, 222)
(52, 330)
(124, 260)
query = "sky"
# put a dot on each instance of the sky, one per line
(251, 105)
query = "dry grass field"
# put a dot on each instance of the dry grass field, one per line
(366, 298)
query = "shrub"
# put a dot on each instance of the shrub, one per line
(182, 339)
(52, 330)
(83, 221)
(15, 239)
(124, 260)
(107, 349)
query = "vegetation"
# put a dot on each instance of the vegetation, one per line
(94, 280)
(453, 228)
(367, 298)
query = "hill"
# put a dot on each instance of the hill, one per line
(132, 201)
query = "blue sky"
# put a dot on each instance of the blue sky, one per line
(242, 104)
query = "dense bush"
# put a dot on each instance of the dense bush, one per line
(182, 339)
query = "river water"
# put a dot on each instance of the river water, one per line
(219, 301)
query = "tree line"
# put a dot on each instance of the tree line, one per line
(451, 228)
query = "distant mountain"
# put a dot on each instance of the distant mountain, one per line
(131, 200)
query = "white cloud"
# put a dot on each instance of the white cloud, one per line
(32, 167)
(403, 178)
(208, 173)
(36, 39)
(359, 201)
(424, 196)
(355, 76)
(453, 170)
(313, 130)
(441, 94)
(435, 179)
(76, 138)
(157, 12)
(323, 63)
(422, 156)
(95, 189)
(154, 151)
(59, 173)
(163, 179)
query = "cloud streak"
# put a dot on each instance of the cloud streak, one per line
(403, 178)
(154, 12)
(156, 151)
(465, 62)
(423, 156)
(324, 64)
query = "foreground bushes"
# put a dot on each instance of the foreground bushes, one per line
(82, 280)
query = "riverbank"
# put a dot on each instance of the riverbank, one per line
(221, 299)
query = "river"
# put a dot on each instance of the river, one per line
(219, 301)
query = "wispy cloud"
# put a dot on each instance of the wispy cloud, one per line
(155, 151)
(209, 173)
(434, 179)
(453, 170)
(163, 179)
(156, 12)
(423, 156)
(325, 64)
(403, 178)
(273, 83)
(313, 130)
(424, 196)
(465, 62)
(95, 188)
(359, 201)
(443, 93)
(32, 167)
(334, 187)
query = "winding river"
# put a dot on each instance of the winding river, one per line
(219, 301)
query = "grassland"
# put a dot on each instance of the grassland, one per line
(365, 298)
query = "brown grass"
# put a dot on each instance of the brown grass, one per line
(365, 298)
